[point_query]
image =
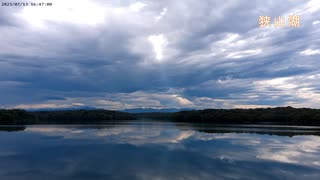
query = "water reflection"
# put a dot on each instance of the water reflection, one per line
(279, 130)
(155, 150)
(12, 128)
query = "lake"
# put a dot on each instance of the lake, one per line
(159, 150)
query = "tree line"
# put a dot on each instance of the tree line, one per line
(279, 115)
(18, 116)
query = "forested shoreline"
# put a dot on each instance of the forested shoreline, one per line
(279, 115)
(18, 116)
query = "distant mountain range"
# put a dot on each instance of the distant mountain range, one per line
(154, 110)
(63, 109)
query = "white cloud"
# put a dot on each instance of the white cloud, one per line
(159, 43)
(184, 101)
(309, 52)
(245, 53)
(300, 90)
(229, 39)
(40, 106)
(78, 12)
(138, 6)
(163, 13)
(315, 22)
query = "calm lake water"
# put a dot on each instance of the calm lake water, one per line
(159, 150)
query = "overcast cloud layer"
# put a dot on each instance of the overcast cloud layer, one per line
(130, 54)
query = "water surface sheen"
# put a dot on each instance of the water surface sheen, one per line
(159, 150)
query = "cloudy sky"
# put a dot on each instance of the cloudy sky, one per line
(161, 54)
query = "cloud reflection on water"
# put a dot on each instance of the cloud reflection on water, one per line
(155, 151)
(277, 148)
